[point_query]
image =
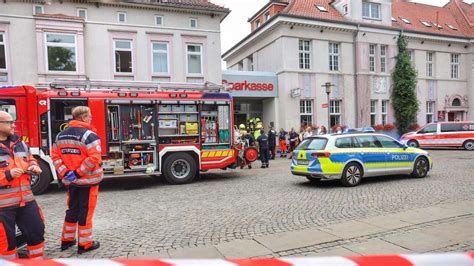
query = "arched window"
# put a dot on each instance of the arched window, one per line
(456, 102)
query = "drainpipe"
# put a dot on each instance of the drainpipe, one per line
(355, 78)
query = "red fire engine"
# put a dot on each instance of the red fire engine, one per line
(146, 128)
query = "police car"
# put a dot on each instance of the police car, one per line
(350, 157)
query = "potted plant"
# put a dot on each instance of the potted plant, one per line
(379, 127)
(414, 127)
(390, 130)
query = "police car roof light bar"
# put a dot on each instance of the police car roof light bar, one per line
(112, 85)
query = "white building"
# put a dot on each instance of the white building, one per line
(173, 40)
(352, 44)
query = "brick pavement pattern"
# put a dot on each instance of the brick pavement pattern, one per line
(139, 217)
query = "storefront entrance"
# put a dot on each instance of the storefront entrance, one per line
(245, 109)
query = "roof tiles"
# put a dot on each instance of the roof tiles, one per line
(456, 13)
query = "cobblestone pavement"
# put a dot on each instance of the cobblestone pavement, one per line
(137, 216)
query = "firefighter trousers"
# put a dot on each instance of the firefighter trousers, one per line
(30, 220)
(81, 202)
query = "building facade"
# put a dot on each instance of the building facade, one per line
(353, 45)
(143, 40)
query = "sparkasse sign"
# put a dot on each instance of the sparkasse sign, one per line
(250, 86)
(250, 83)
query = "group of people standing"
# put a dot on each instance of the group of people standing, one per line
(289, 140)
(76, 155)
(266, 142)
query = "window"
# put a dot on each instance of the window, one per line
(61, 52)
(123, 56)
(194, 55)
(3, 53)
(454, 66)
(306, 112)
(429, 111)
(429, 129)
(193, 23)
(451, 27)
(451, 127)
(335, 112)
(373, 112)
(370, 10)
(305, 54)
(345, 143)
(333, 56)
(9, 106)
(345, 8)
(384, 111)
(267, 16)
(250, 63)
(429, 64)
(383, 58)
(82, 13)
(321, 8)
(257, 23)
(160, 57)
(456, 102)
(388, 142)
(313, 144)
(372, 57)
(368, 142)
(427, 24)
(38, 9)
(405, 20)
(122, 17)
(159, 20)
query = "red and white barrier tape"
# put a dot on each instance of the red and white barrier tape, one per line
(447, 259)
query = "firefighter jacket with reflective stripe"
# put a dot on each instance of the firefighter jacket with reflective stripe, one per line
(15, 191)
(77, 149)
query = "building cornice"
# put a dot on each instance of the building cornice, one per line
(179, 8)
(117, 24)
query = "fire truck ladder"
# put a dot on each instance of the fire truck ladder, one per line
(111, 85)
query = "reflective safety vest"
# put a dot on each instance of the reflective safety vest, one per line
(15, 191)
(77, 149)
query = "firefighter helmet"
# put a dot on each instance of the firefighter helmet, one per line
(259, 126)
(241, 126)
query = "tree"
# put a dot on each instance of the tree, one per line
(404, 101)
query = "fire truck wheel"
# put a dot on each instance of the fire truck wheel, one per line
(40, 183)
(179, 168)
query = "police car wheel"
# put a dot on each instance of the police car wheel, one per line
(179, 168)
(352, 175)
(469, 145)
(421, 168)
(39, 183)
(412, 143)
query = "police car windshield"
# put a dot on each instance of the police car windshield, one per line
(313, 144)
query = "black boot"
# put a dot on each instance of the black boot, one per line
(95, 245)
(65, 245)
(250, 166)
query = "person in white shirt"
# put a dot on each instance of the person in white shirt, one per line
(308, 132)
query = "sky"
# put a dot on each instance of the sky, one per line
(235, 26)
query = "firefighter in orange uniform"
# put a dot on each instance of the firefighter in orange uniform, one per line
(76, 156)
(17, 204)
